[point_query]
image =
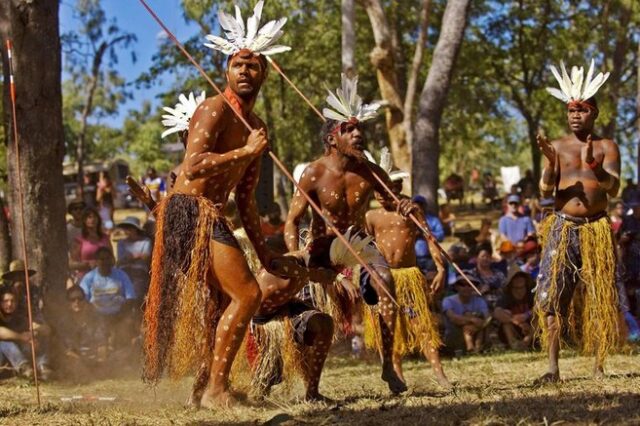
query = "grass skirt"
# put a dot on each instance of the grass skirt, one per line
(593, 315)
(181, 310)
(416, 326)
(278, 358)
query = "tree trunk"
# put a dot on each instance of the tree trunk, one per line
(348, 37)
(620, 48)
(33, 27)
(426, 147)
(412, 85)
(383, 60)
(5, 238)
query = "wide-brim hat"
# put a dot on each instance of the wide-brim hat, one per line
(471, 275)
(77, 202)
(16, 271)
(131, 222)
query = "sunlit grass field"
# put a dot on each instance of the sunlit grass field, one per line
(489, 390)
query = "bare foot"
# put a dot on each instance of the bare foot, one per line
(222, 399)
(318, 397)
(548, 377)
(398, 369)
(443, 381)
(395, 384)
(598, 373)
(194, 400)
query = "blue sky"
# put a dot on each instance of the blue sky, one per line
(132, 17)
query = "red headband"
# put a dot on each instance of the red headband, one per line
(352, 120)
(583, 104)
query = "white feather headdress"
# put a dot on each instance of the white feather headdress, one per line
(239, 36)
(576, 87)
(386, 164)
(178, 118)
(346, 104)
(341, 256)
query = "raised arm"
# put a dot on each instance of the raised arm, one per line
(606, 169)
(297, 210)
(548, 179)
(204, 130)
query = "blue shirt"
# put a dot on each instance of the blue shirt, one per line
(436, 227)
(107, 293)
(516, 229)
(476, 305)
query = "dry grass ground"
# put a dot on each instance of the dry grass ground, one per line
(490, 390)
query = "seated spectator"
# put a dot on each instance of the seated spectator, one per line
(84, 248)
(74, 226)
(513, 226)
(617, 214)
(529, 257)
(459, 253)
(466, 317)
(15, 338)
(15, 280)
(432, 220)
(629, 248)
(630, 192)
(134, 255)
(111, 293)
(514, 311)
(447, 218)
(82, 337)
(490, 277)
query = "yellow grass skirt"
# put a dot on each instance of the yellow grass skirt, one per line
(595, 305)
(416, 326)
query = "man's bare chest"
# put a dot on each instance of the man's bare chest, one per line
(348, 191)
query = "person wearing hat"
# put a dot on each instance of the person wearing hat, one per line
(466, 316)
(512, 225)
(15, 337)
(14, 279)
(134, 255)
(514, 311)
(74, 226)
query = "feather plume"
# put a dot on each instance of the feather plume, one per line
(178, 118)
(386, 162)
(576, 87)
(346, 104)
(252, 37)
(341, 256)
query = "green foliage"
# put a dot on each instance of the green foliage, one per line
(496, 101)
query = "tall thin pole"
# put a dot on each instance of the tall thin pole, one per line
(12, 91)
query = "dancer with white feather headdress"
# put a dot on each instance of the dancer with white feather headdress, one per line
(582, 170)
(202, 294)
(342, 183)
(417, 326)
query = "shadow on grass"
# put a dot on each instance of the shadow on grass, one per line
(609, 408)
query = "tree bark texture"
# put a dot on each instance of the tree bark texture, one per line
(426, 146)
(348, 37)
(383, 59)
(33, 27)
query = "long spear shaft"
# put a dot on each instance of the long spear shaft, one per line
(275, 159)
(27, 282)
(420, 226)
